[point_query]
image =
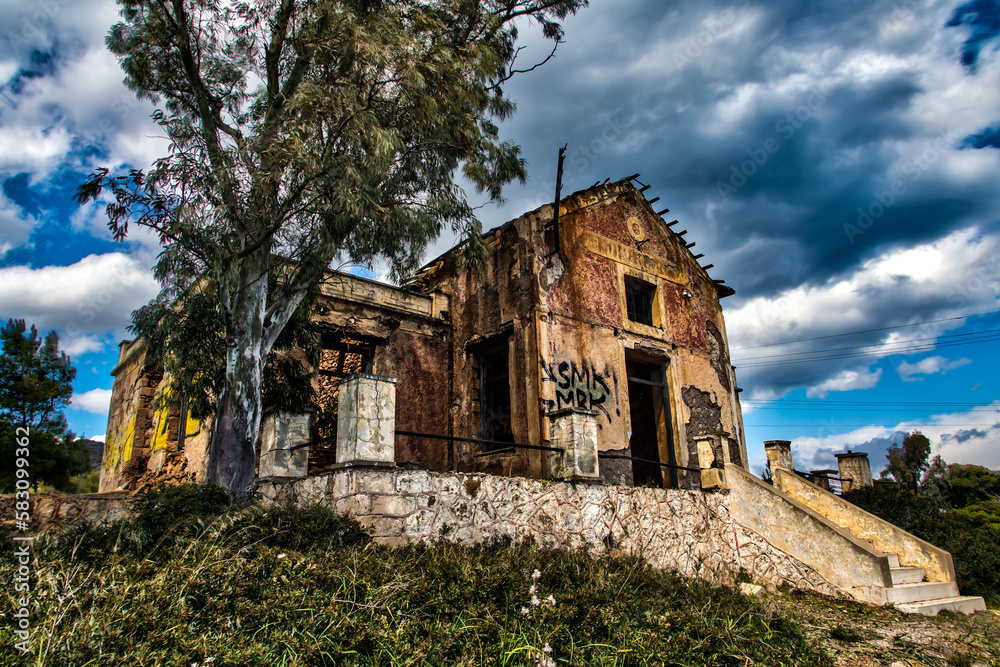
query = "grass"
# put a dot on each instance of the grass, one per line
(198, 575)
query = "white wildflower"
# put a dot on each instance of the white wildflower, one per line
(536, 575)
(551, 600)
(535, 601)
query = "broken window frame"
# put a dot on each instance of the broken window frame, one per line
(640, 297)
(363, 346)
(658, 382)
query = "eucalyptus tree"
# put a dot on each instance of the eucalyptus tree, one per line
(307, 132)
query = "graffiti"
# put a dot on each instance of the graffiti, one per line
(162, 440)
(581, 386)
(118, 447)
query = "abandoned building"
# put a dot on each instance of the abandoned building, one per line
(576, 391)
(607, 311)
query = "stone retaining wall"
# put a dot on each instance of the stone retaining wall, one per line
(690, 532)
(53, 510)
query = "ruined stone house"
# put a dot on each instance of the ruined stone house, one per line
(607, 310)
(576, 392)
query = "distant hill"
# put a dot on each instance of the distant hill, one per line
(96, 452)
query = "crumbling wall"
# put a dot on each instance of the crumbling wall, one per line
(130, 419)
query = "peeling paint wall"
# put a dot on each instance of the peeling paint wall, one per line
(560, 321)
(564, 317)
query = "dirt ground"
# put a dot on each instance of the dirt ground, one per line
(857, 635)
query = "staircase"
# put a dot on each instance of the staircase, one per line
(858, 552)
(911, 594)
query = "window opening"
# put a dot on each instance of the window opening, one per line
(649, 417)
(337, 360)
(494, 397)
(639, 300)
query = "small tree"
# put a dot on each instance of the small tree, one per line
(35, 387)
(36, 379)
(305, 132)
(908, 462)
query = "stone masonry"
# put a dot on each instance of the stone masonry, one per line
(689, 532)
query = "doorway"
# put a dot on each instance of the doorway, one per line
(649, 413)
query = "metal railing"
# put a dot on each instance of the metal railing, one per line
(636, 458)
(502, 446)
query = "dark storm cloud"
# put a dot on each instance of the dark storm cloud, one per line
(983, 19)
(969, 434)
(823, 458)
(669, 67)
(988, 138)
(791, 138)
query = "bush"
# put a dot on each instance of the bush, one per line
(973, 544)
(198, 574)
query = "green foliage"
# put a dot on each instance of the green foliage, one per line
(36, 383)
(973, 544)
(189, 343)
(908, 462)
(36, 379)
(85, 483)
(248, 584)
(51, 460)
(961, 485)
(304, 133)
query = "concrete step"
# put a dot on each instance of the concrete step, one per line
(960, 605)
(932, 590)
(906, 575)
(893, 560)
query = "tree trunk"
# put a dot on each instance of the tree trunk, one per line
(234, 441)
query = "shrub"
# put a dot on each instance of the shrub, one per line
(973, 545)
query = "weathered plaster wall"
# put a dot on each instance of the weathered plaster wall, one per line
(690, 532)
(564, 316)
(913, 552)
(612, 235)
(834, 554)
(130, 418)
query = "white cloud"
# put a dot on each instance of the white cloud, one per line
(84, 301)
(845, 381)
(95, 400)
(928, 366)
(956, 276)
(79, 102)
(972, 436)
(15, 225)
(98, 438)
(75, 346)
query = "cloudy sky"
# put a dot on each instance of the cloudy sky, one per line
(838, 163)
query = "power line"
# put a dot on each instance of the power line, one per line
(854, 333)
(862, 347)
(881, 353)
(856, 425)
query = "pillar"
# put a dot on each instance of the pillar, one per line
(280, 435)
(854, 467)
(575, 430)
(366, 421)
(713, 474)
(779, 454)
(821, 478)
